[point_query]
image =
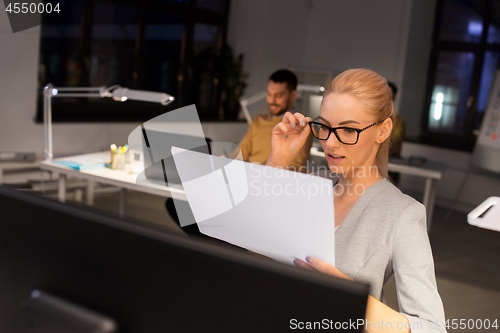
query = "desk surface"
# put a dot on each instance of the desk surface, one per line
(120, 178)
(429, 169)
(18, 165)
(127, 179)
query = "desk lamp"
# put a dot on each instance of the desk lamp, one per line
(245, 102)
(115, 92)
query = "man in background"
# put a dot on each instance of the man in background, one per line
(256, 144)
(397, 134)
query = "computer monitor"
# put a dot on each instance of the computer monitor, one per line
(95, 269)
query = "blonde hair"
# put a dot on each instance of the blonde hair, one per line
(376, 95)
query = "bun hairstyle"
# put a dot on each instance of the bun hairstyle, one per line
(376, 95)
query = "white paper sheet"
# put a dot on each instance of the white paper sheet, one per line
(278, 213)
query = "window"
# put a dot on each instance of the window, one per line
(168, 46)
(464, 61)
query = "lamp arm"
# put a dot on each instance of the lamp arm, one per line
(245, 102)
(253, 99)
(117, 92)
(47, 122)
(311, 88)
(246, 113)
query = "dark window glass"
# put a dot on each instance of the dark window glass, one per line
(494, 29)
(61, 59)
(493, 34)
(170, 46)
(490, 70)
(215, 5)
(113, 42)
(461, 20)
(205, 45)
(464, 62)
(161, 52)
(450, 95)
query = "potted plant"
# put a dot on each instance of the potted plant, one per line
(232, 82)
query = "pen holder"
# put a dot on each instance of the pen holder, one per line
(117, 160)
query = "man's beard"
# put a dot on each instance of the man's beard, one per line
(281, 110)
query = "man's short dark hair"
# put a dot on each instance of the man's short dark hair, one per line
(394, 89)
(284, 75)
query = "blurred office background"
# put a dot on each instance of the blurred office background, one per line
(442, 54)
(438, 52)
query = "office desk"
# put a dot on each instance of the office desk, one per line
(124, 179)
(431, 171)
(6, 166)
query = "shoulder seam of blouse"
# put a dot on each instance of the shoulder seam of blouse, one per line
(388, 243)
(399, 219)
(374, 253)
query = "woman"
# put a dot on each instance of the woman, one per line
(380, 230)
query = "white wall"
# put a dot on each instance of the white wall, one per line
(271, 35)
(358, 33)
(18, 70)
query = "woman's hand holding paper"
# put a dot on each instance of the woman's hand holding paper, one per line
(321, 266)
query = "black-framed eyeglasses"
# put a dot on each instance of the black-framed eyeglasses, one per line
(346, 135)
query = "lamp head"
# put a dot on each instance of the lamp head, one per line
(310, 88)
(50, 90)
(124, 94)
